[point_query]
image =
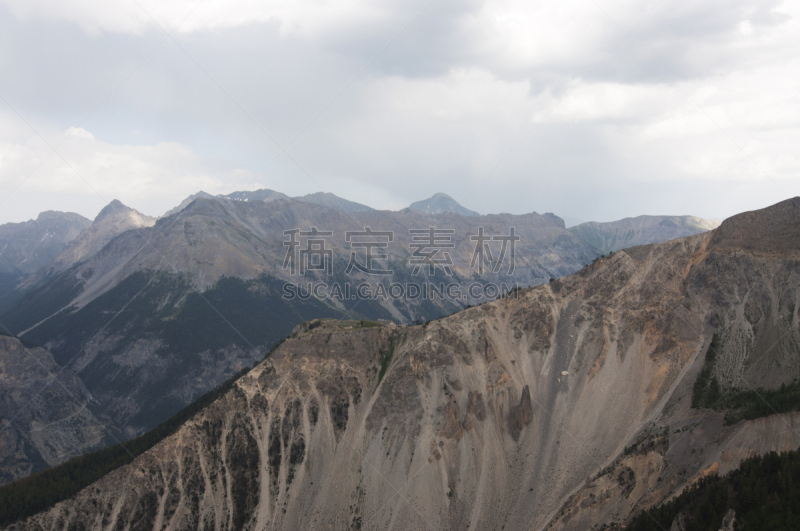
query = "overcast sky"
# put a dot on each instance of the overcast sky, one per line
(594, 110)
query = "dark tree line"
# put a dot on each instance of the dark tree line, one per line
(764, 493)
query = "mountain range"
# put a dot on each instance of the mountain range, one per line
(164, 313)
(641, 230)
(574, 404)
(319, 198)
(147, 315)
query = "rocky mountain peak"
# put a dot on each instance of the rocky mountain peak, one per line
(186, 202)
(112, 221)
(114, 208)
(440, 203)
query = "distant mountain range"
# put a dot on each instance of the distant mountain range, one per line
(150, 314)
(641, 230)
(437, 204)
(320, 198)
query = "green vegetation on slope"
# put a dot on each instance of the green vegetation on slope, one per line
(42, 302)
(748, 405)
(740, 404)
(706, 392)
(764, 493)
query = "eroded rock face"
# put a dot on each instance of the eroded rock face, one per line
(567, 407)
(43, 421)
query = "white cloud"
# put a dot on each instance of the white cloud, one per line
(309, 18)
(79, 132)
(437, 111)
(148, 177)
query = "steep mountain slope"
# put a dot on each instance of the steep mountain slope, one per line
(640, 230)
(567, 407)
(439, 204)
(42, 425)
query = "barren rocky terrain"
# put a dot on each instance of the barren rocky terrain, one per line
(46, 421)
(566, 407)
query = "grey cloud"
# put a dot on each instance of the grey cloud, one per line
(407, 145)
